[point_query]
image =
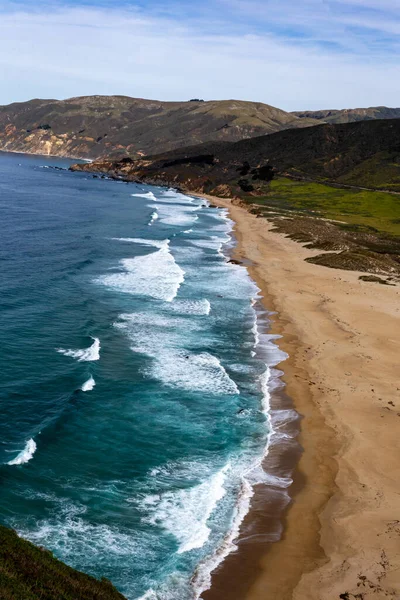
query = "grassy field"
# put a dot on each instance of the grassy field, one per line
(378, 210)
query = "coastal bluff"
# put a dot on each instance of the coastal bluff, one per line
(28, 572)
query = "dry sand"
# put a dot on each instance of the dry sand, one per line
(342, 530)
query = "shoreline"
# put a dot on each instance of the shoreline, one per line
(85, 160)
(326, 548)
(340, 536)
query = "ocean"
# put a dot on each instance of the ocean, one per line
(136, 373)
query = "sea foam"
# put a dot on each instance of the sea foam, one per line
(86, 354)
(72, 536)
(191, 307)
(160, 337)
(88, 385)
(177, 214)
(145, 195)
(194, 372)
(153, 217)
(201, 580)
(184, 513)
(156, 274)
(254, 473)
(145, 242)
(25, 455)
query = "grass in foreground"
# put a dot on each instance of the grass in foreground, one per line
(379, 210)
(31, 573)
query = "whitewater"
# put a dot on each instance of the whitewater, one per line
(138, 382)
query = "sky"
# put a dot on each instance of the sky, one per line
(293, 54)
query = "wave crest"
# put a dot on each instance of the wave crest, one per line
(25, 455)
(184, 513)
(88, 385)
(86, 354)
(156, 274)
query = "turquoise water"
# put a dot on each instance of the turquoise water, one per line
(135, 377)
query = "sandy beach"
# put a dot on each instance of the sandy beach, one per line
(341, 532)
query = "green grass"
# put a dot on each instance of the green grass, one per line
(375, 209)
(31, 573)
(381, 171)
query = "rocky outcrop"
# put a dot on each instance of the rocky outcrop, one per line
(199, 173)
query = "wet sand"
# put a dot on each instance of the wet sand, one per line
(341, 531)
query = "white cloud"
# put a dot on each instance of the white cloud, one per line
(389, 5)
(92, 51)
(324, 20)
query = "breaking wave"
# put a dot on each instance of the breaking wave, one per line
(194, 372)
(85, 355)
(157, 336)
(88, 385)
(25, 455)
(145, 195)
(145, 242)
(156, 274)
(154, 217)
(184, 513)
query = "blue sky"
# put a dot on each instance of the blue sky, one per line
(295, 54)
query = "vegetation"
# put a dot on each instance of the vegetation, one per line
(311, 171)
(363, 154)
(358, 230)
(372, 209)
(31, 573)
(381, 171)
(118, 126)
(349, 115)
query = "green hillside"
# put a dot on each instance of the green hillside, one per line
(364, 154)
(300, 180)
(31, 573)
(372, 209)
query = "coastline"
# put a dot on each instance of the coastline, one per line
(340, 533)
(85, 160)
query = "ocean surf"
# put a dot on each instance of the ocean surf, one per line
(145, 480)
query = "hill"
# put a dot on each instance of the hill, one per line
(363, 154)
(350, 115)
(284, 177)
(96, 126)
(31, 573)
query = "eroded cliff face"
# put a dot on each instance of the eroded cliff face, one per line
(42, 141)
